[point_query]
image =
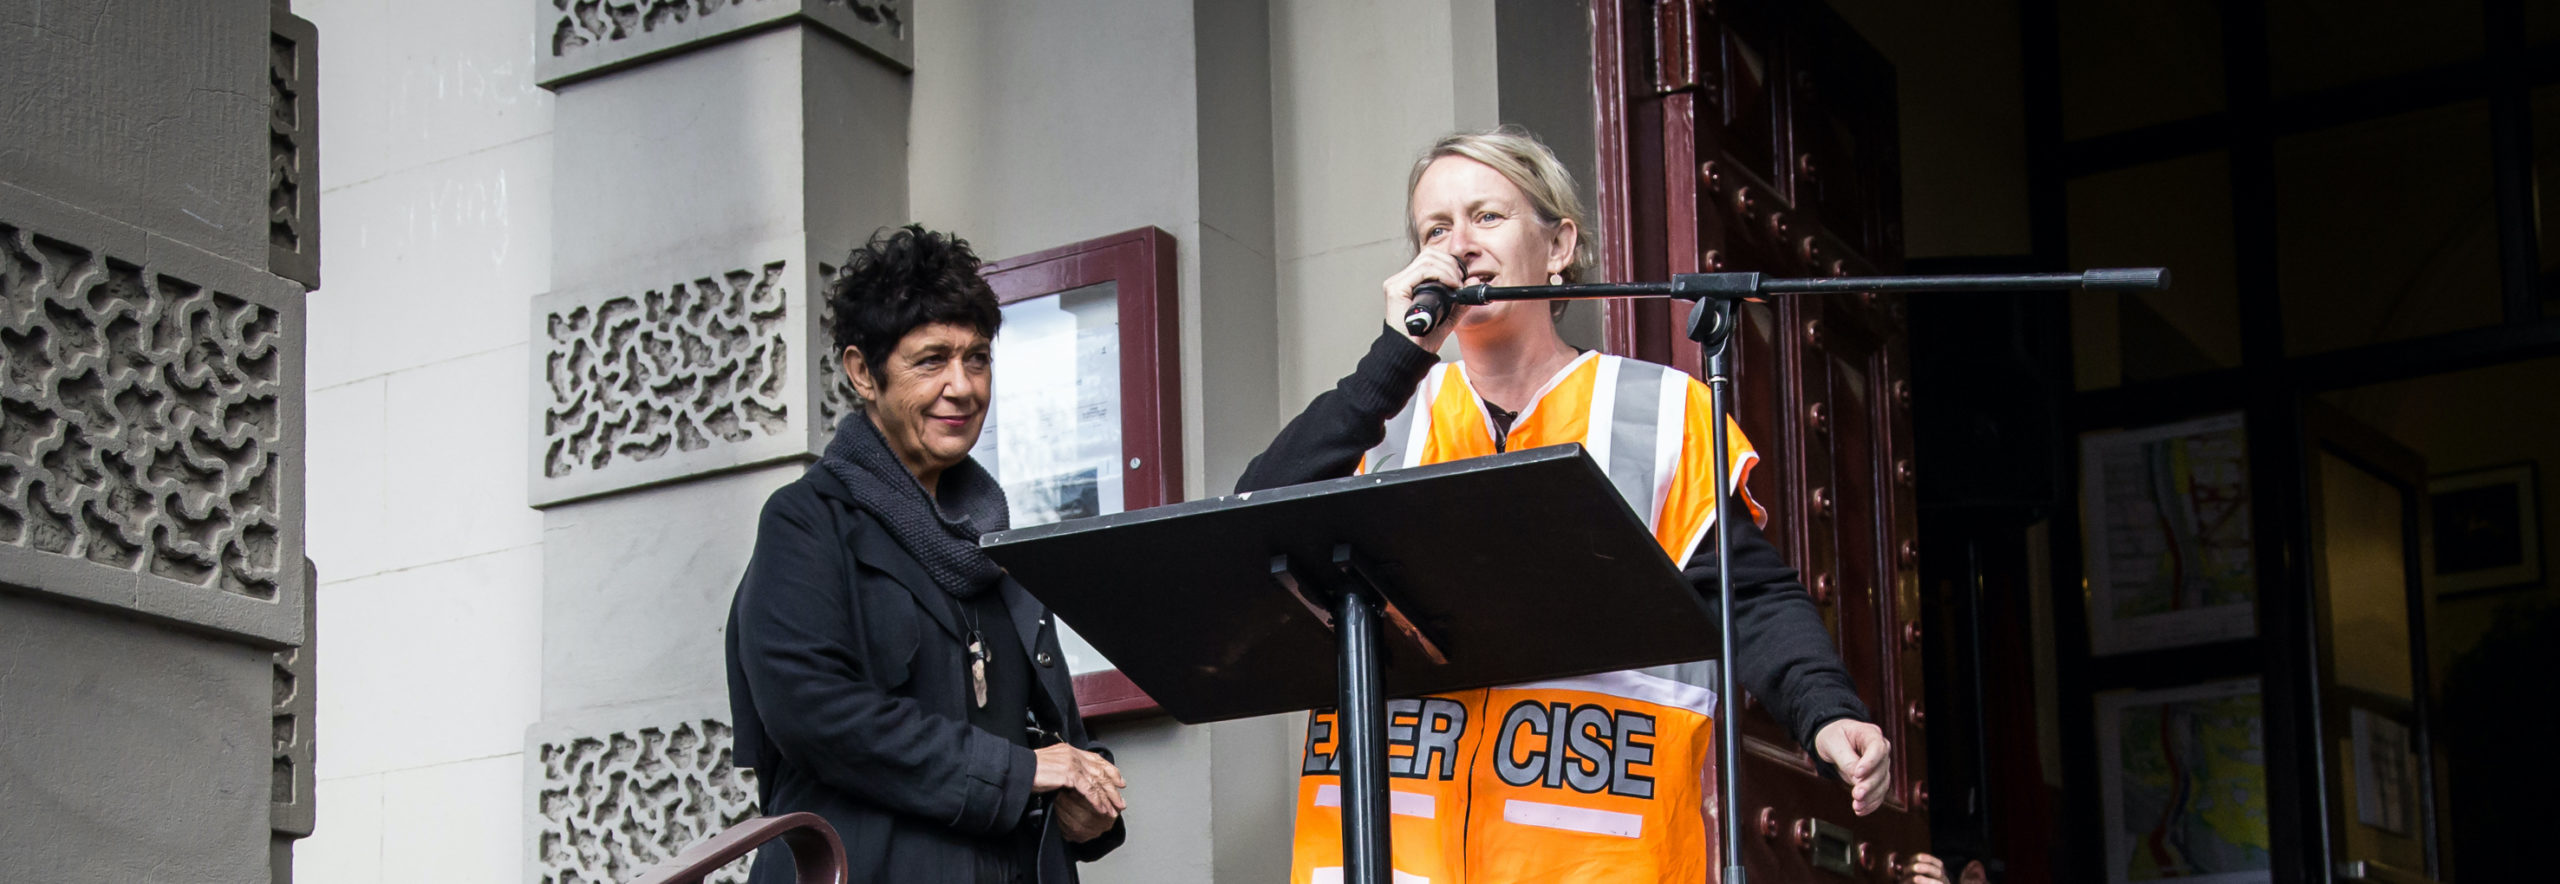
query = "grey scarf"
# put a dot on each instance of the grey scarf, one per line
(944, 537)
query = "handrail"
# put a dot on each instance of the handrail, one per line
(816, 854)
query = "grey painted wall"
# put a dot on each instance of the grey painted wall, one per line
(133, 753)
(175, 146)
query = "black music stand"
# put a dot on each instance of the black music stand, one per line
(1488, 571)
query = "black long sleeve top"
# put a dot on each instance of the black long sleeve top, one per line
(1785, 659)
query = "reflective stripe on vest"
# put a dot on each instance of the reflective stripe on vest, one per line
(1632, 417)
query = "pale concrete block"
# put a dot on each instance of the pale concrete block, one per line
(431, 664)
(411, 84)
(1036, 137)
(640, 587)
(1331, 307)
(854, 122)
(701, 149)
(453, 822)
(432, 263)
(133, 752)
(1237, 359)
(1256, 788)
(1358, 90)
(349, 534)
(1170, 768)
(452, 454)
(1234, 90)
(346, 846)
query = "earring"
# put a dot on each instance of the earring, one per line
(1555, 279)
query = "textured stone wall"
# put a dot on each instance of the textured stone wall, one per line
(151, 440)
(293, 788)
(609, 805)
(140, 412)
(150, 428)
(647, 382)
(637, 377)
(293, 148)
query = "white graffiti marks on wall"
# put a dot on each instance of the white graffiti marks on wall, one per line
(140, 418)
(617, 804)
(636, 377)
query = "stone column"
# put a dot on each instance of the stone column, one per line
(713, 159)
(152, 582)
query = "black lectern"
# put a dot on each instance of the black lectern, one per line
(1488, 571)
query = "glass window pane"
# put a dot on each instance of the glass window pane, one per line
(2186, 793)
(2317, 44)
(2133, 63)
(2546, 187)
(2364, 579)
(2174, 214)
(1052, 436)
(2387, 229)
(2168, 557)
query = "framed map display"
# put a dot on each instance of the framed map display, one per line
(2169, 559)
(2184, 784)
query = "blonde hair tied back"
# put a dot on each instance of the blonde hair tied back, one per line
(1530, 166)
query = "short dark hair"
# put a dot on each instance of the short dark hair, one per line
(903, 278)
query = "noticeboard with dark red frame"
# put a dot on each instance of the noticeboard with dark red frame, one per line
(1137, 266)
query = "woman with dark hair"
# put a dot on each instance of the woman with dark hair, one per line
(883, 673)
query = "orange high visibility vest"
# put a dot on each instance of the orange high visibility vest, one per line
(1591, 779)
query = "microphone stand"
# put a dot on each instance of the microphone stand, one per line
(1711, 323)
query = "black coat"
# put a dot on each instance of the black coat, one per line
(850, 690)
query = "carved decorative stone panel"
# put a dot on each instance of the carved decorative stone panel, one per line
(607, 806)
(836, 398)
(293, 148)
(292, 811)
(583, 38)
(650, 382)
(150, 424)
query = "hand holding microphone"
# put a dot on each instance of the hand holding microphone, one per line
(1421, 298)
(1431, 302)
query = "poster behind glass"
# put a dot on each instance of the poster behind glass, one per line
(2183, 779)
(2169, 557)
(1052, 436)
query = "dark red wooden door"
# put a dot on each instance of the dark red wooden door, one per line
(1740, 135)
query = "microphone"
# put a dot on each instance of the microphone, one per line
(1431, 300)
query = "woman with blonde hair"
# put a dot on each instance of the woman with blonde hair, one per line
(1598, 778)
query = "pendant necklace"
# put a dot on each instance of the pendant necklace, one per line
(977, 658)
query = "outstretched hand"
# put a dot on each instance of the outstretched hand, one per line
(1860, 751)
